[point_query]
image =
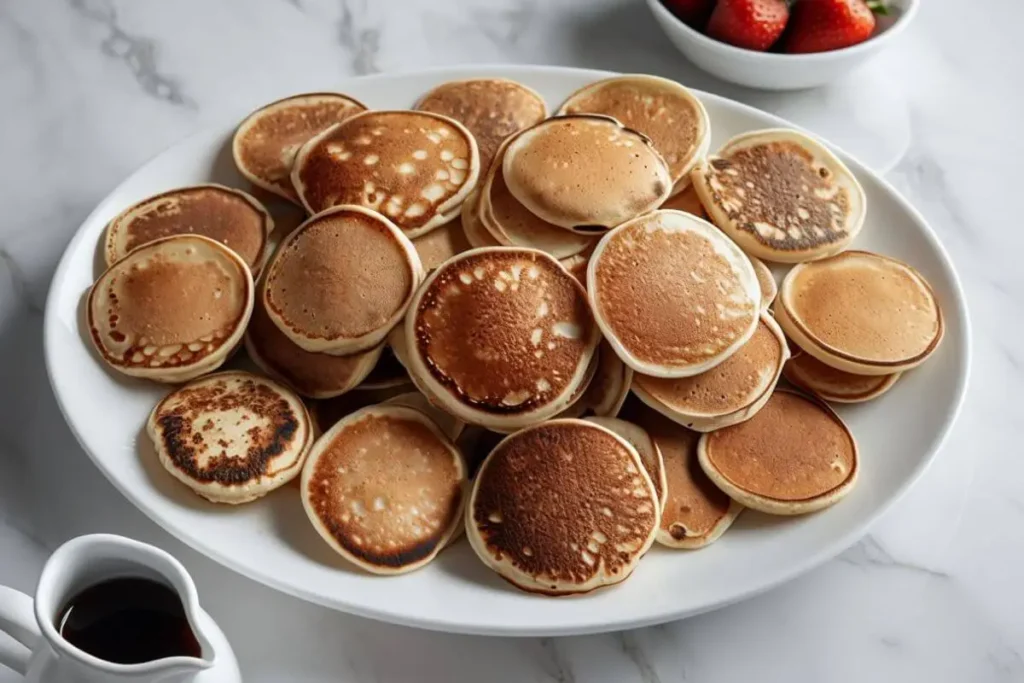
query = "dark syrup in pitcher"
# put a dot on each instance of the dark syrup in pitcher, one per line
(128, 621)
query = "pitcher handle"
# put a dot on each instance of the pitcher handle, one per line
(17, 620)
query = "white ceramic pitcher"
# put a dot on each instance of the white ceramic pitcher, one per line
(36, 650)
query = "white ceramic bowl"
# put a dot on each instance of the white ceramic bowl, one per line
(774, 71)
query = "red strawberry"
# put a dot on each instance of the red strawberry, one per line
(752, 24)
(823, 25)
(693, 13)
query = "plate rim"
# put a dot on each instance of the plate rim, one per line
(827, 550)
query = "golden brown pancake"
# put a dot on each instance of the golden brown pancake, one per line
(610, 386)
(340, 282)
(231, 437)
(650, 454)
(562, 507)
(476, 233)
(663, 110)
(671, 256)
(766, 281)
(502, 337)
(385, 489)
(794, 456)
(266, 142)
(316, 375)
(513, 225)
(782, 196)
(172, 309)
(491, 108)
(730, 392)
(689, 201)
(586, 173)
(415, 168)
(829, 384)
(388, 372)
(860, 312)
(439, 245)
(231, 217)
(696, 512)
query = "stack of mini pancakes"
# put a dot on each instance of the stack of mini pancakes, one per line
(556, 334)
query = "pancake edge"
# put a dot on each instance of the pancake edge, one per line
(775, 506)
(665, 537)
(887, 383)
(316, 452)
(494, 79)
(658, 455)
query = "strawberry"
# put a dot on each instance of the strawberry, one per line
(693, 13)
(823, 25)
(751, 24)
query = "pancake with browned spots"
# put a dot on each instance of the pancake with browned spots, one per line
(562, 507)
(491, 108)
(672, 294)
(835, 386)
(232, 217)
(663, 110)
(315, 375)
(385, 489)
(862, 313)
(266, 142)
(782, 196)
(415, 168)
(795, 456)
(730, 392)
(502, 337)
(341, 281)
(231, 437)
(172, 309)
(650, 454)
(695, 512)
(586, 173)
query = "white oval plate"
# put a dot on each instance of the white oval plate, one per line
(271, 540)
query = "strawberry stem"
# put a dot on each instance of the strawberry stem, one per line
(878, 7)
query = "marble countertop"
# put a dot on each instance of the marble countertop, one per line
(89, 89)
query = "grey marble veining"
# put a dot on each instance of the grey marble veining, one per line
(89, 89)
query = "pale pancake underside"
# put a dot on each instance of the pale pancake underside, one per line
(231, 437)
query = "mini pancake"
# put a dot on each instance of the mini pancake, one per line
(793, 457)
(413, 167)
(696, 512)
(491, 108)
(728, 393)
(766, 280)
(671, 256)
(231, 217)
(266, 142)
(477, 233)
(862, 313)
(231, 437)
(782, 196)
(501, 337)
(316, 375)
(172, 309)
(663, 110)
(341, 281)
(548, 511)
(586, 173)
(388, 372)
(439, 245)
(688, 201)
(450, 426)
(836, 386)
(650, 454)
(610, 386)
(513, 225)
(385, 489)
(577, 267)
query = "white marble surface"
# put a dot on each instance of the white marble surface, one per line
(91, 88)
